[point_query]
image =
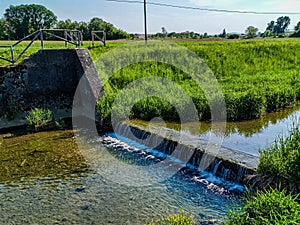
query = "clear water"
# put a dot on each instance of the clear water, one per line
(246, 136)
(94, 195)
(46, 178)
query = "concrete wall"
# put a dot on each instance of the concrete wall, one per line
(48, 79)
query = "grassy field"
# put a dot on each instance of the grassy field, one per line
(256, 76)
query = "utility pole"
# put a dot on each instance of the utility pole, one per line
(145, 20)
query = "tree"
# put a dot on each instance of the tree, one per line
(111, 32)
(67, 24)
(282, 24)
(251, 32)
(297, 30)
(83, 27)
(233, 36)
(271, 26)
(223, 35)
(267, 33)
(297, 27)
(4, 29)
(24, 19)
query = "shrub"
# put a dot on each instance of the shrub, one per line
(234, 36)
(179, 219)
(270, 207)
(41, 119)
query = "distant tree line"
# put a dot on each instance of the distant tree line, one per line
(22, 20)
(273, 29)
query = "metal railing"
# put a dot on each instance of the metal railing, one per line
(96, 36)
(70, 36)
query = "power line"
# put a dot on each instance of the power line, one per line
(205, 9)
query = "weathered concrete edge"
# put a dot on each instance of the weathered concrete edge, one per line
(84, 67)
(241, 159)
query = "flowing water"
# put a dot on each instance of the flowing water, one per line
(60, 178)
(46, 178)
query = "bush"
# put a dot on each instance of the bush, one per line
(283, 159)
(272, 207)
(234, 36)
(180, 219)
(41, 119)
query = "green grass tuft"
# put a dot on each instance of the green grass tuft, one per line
(272, 207)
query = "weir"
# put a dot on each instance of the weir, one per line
(226, 163)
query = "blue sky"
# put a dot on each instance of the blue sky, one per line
(129, 17)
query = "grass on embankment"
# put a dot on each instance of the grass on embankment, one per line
(279, 168)
(255, 76)
(279, 165)
(270, 207)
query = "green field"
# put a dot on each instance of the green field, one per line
(256, 76)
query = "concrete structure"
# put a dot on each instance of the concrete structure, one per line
(48, 79)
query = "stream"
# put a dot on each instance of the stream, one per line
(67, 177)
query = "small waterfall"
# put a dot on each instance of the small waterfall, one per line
(195, 158)
(216, 167)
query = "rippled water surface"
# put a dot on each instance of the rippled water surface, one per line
(48, 180)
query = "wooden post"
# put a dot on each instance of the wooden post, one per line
(66, 37)
(104, 38)
(93, 39)
(42, 39)
(79, 39)
(12, 53)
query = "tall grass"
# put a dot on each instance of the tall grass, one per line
(282, 160)
(270, 207)
(256, 77)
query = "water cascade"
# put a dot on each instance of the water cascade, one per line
(188, 155)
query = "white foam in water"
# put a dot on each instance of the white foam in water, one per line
(213, 183)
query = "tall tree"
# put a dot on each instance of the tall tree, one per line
(111, 32)
(67, 24)
(25, 19)
(282, 24)
(251, 32)
(223, 34)
(271, 26)
(297, 27)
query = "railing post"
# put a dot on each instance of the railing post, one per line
(42, 39)
(104, 38)
(12, 53)
(79, 39)
(93, 39)
(66, 38)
